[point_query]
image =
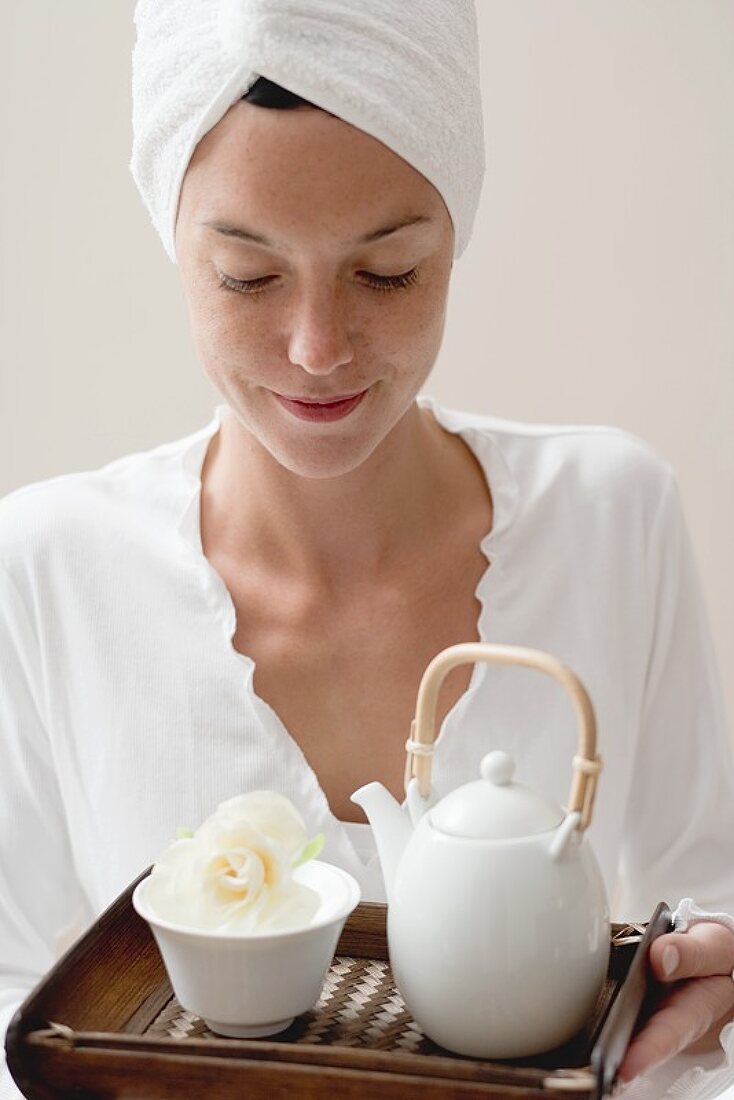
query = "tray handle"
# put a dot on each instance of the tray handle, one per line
(635, 994)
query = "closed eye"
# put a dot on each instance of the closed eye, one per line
(390, 282)
(245, 286)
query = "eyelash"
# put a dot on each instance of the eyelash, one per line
(391, 282)
(376, 282)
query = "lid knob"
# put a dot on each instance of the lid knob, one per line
(497, 767)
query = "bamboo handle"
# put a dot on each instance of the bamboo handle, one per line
(586, 764)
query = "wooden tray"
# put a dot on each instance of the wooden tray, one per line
(104, 1025)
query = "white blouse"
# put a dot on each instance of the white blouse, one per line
(125, 711)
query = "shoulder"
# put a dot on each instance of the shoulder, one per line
(72, 516)
(598, 463)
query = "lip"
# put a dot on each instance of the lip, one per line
(321, 410)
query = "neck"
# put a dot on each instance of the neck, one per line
(363, 523)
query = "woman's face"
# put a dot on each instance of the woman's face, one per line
(315, 264)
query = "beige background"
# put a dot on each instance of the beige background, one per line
(599, 286)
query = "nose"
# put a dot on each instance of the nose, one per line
(319, 339)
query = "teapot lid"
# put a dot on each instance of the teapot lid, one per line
(495, 808)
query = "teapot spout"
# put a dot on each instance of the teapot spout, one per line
(391, 825)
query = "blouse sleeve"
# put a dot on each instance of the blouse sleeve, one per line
(39, 892)
(679, 819)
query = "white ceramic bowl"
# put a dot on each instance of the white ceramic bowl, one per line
(252, 984)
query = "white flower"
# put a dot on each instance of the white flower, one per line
(235, 873)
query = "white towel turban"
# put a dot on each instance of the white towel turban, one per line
(404, 71)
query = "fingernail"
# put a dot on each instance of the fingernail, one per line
(670, 960)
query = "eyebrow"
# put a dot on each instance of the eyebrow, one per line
(241, 233)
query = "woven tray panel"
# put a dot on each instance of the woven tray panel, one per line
(359, 1007)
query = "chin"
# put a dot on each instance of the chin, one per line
(323, 464)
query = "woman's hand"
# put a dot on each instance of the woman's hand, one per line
(697, 966)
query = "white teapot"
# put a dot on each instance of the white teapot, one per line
(498, 922)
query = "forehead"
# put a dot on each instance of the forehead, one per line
(284, 171)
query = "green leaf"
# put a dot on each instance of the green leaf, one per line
(311, 850)
(183, 833)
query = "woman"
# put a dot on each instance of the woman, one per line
(254, 606)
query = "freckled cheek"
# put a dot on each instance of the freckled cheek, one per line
(412, 326)
(431, 321)
(230, 338)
